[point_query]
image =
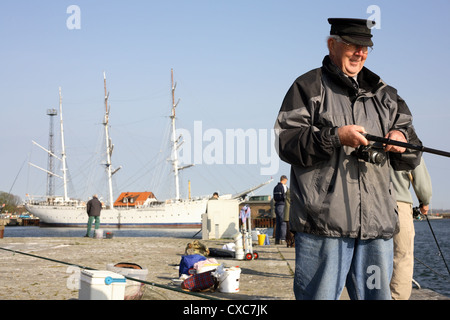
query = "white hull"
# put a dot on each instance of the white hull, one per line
(181, 214)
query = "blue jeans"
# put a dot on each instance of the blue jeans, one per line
(280, 224)
(324, 265)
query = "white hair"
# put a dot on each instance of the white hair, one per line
(335, 37)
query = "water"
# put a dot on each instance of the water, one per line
(425, 248)
(14, 232)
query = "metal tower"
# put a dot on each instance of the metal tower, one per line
(50, 168)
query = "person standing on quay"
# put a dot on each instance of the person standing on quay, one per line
(279, 196)
(343, 209)
(93, 209)
(419, 178)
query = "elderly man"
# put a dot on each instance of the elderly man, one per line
(343, 210)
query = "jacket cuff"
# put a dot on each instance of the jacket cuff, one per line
(334, 137)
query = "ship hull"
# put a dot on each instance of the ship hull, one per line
(183, 214)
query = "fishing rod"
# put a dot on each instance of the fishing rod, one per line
(419, 148)
(406, 145)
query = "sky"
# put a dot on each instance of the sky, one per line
(233, 62)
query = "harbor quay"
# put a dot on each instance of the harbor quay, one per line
(29, 278)
(49, 273)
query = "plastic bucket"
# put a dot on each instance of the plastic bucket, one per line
(229, 280)
(98, 234)
(238, 248)
(238, 238)
(261, 239)
(239, 253)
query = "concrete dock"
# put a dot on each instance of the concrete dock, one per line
(27, 278)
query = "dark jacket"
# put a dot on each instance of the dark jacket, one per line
(94, 207)
(333, 193)
(279, 194)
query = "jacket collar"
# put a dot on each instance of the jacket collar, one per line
(367, 80)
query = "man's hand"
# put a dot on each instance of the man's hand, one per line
(424, 209)
(398, 136)
(351, 136)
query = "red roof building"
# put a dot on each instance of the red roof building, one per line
(133, 199)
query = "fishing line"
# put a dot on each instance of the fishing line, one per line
(437, 243)
(129, 278)
(431, 269)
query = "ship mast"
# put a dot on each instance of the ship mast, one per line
(109, 147)
(176, 143)
(63, 148)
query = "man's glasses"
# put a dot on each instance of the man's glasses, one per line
(354, 47)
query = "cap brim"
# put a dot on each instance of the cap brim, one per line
(360, 41)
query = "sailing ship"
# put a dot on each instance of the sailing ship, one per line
(63, 211)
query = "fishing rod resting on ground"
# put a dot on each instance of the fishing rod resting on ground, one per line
(200, 295)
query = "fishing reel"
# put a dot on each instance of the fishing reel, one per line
(417, 214)
(371, 153)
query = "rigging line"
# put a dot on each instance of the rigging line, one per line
(140, 174)
(129, 278)
(15, 179)
(130, 123)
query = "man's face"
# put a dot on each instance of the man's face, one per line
(348, 57)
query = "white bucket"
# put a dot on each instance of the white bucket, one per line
(238, 238)
(229, 280)
(239, 253)
(98, 234)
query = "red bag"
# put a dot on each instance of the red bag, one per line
(199, 282)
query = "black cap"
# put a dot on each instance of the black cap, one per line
(356, 31)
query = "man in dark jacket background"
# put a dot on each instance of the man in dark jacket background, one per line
(93, 209)
(343, 210)
(279, 196)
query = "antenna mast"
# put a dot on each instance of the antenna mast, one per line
(50, 168)
(50, 173)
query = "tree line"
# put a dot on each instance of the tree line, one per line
(9, 202)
